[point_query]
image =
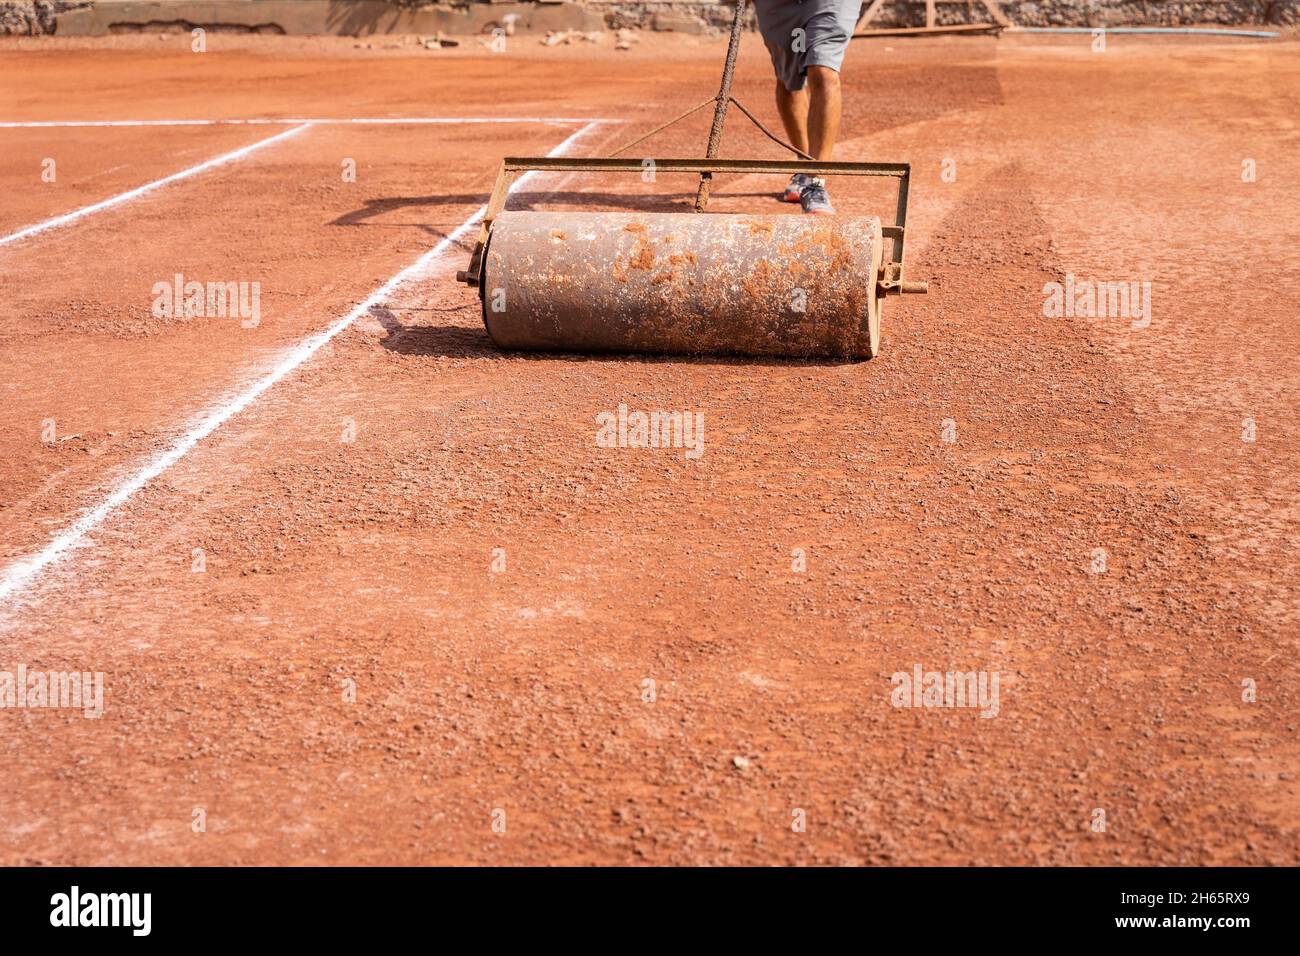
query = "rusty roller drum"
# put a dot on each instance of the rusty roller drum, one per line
(683, 283)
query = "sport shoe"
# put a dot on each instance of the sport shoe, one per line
(793, 191)
(813, 197)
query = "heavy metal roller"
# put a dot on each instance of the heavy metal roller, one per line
(684, 283)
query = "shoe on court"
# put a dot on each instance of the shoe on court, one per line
(794, 190)
(813, 197)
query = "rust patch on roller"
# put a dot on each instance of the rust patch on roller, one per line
(643, 257)
(757, 284)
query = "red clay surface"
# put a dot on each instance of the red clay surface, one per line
(370, 561)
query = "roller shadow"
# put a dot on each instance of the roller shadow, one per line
(531, 201)
(459, 341)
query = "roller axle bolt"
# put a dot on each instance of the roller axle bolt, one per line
(895, 287)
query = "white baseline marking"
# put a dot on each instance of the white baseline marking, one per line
(20, 574)
(148, 187)
(377, 120)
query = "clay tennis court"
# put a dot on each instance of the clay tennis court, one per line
(365, 589)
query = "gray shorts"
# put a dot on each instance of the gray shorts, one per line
(804, 33)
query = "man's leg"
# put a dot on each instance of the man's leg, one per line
(793, 107)
(822, 109)
(823, 127)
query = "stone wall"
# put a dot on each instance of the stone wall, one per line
(32, 17)
(1040, 13)
(366, 17)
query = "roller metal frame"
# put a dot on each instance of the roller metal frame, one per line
(890, 282)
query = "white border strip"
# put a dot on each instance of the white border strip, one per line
(19, 575)
(147, 187)
(378, 120)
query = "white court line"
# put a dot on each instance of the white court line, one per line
(378, 120)
(20, 574)
(147, 187)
